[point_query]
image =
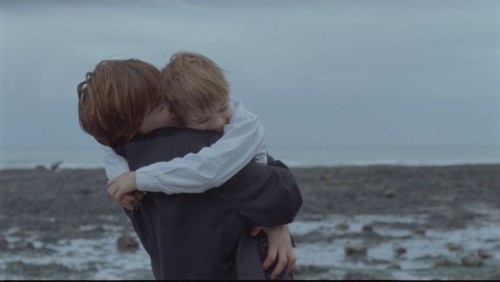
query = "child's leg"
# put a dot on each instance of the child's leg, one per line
(262, 242)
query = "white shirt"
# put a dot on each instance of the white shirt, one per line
(242, 141)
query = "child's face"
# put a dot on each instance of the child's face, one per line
(158, 118)
(214, 118)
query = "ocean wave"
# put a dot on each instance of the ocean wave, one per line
(293, 157)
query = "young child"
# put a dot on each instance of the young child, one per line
(196, 90)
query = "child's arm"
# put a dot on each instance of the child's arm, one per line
(114, 164)
(243, 139)
(242, 116)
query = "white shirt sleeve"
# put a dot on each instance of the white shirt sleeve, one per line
(243, 139)
(114, 164)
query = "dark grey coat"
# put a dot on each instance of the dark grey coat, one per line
(204, 236)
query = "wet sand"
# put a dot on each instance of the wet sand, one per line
(39, 208)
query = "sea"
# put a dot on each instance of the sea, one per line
(89, 158)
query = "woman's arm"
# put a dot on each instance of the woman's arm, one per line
(243, 139)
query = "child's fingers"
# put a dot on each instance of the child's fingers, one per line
(119, 194)
(138, 198)
(126, 204)
(127, 201)
(112, 191)
(123, 199)
(115, 191)
(128, 198)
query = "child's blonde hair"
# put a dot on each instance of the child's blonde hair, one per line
(115, 97)
(192, 82)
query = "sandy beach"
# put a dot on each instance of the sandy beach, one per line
(359, 222)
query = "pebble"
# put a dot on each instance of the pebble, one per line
(399, 251)
(472, 261)
(342, 226)
(330, 180)
(367, 228)
(483, 254)
(389, 193)
(357, 276)
(419, 230)
(454, 247)
(443, 261)
(127, 244)
(356, 250)
(394, 266)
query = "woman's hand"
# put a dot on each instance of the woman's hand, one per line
(279, 248)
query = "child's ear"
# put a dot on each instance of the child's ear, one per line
(174, 117)
(172, 111)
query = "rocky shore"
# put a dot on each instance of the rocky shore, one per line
(377, 220)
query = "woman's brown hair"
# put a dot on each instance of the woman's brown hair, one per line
(115, 97)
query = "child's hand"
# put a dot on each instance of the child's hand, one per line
(138, 195)
(279, 248)
(130, 201)
(122, 185)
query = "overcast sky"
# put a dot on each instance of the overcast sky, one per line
(318, 73)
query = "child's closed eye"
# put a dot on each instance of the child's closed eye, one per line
(202, 120)
(223, 108)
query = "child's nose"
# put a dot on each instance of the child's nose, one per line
(219, 123)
